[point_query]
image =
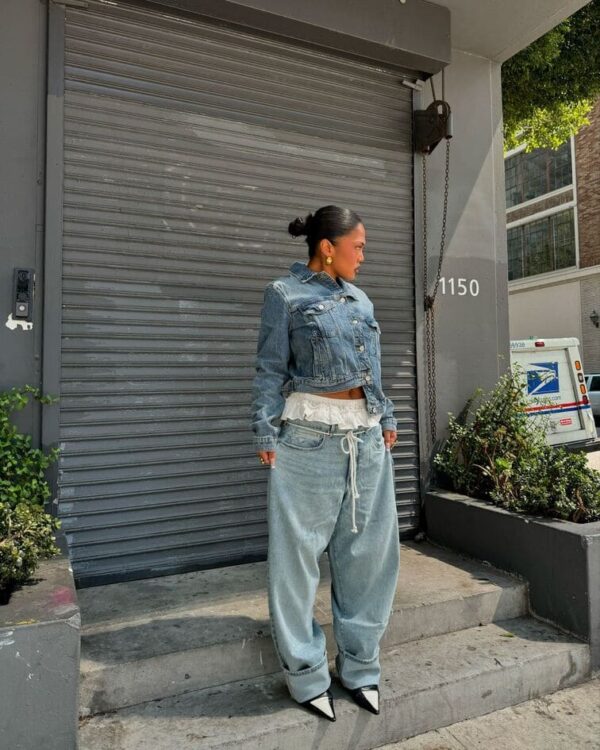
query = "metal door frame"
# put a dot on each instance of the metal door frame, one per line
(52, 316)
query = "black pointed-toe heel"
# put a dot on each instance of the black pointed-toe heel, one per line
(367, 697)
(322, 705)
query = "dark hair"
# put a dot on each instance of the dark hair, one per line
(329, 222)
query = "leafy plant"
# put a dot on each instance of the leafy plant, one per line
(26, 531)
(499, 453)
(26, 537)
(550, 87)
(22, 467)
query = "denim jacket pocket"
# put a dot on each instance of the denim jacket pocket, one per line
(321, 313)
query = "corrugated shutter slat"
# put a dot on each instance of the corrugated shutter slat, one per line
(188, 148)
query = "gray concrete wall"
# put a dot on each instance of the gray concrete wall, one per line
(590, 335)
(415, 35)
(471, 329)
(39, 662)
(22, 133)
(546, 311)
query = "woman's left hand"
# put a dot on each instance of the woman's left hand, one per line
(389, 438)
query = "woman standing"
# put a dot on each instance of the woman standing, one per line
(331, 484)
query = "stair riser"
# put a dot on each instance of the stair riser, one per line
(452, 615)
(406, 716)
(118, 685)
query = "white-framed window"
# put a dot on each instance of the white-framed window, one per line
(530, 176)
(542, 244)
(545, 240)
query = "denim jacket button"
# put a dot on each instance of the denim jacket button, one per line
(321, 307)
(354, 320)
(361, 348)
(368, 378)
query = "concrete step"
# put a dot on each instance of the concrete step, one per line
(165, 636)
(426, 684)
(568, 719)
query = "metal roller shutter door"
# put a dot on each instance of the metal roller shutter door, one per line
(188, 146)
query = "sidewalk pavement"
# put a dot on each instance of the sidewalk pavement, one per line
(566, 720)
(594, 459)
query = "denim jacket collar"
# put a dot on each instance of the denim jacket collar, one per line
(302, 272)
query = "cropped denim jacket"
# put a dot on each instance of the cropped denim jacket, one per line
(318, 335)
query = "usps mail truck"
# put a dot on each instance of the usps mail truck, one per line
(555, 386)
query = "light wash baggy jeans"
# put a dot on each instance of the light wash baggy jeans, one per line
(319, 471)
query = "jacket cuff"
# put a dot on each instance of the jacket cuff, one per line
(389, 423)
(265, 443)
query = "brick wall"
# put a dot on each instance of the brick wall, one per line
(587, 166)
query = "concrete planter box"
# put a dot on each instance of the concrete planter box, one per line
(560, 560)
(39, 662)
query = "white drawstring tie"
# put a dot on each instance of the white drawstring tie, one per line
(352, 443)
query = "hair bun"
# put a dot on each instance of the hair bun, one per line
(300, 226)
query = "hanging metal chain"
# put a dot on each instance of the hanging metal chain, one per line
(430, 298)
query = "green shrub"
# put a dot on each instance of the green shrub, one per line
(26, 531)
(22, 467)
(26, 537)
(497, 452)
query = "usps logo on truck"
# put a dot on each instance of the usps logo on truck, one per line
(554, 385)
(542, 379)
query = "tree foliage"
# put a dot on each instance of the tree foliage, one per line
(549, 88)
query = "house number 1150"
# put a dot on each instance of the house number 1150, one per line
(459, 286)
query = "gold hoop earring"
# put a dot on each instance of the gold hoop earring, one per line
(329, 260)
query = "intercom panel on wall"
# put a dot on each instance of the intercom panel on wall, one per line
(23, 292)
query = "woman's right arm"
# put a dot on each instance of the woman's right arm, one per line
(272, 373)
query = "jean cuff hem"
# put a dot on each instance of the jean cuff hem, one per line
(308, 670)
(346, 655)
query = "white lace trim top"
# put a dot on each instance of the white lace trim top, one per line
(347, 413)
